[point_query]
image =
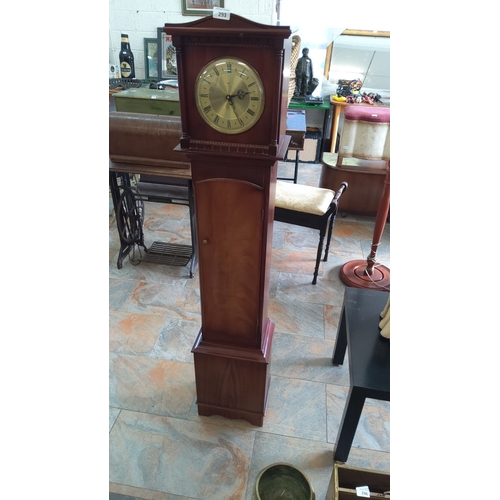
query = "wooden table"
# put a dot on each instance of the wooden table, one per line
(369, 359)
(338, 108)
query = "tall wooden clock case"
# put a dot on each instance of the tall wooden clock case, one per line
(233, 93)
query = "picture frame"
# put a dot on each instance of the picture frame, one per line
(200, 7)
(167, 62)
(151, 58)
(328, 61)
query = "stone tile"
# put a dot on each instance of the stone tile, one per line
(299, 238)
(169, 213)
(349, 228)
(313, 458)
(180, 457)
(298, 287)
(134, 333)
(176, 340)
(123, 492)
(119, 292)
(332, 318)
(342, 246)
(151, 385)
(373, 430)
(113, 415)
(296, 408)
(303, 358)
(369, 459)
(296, 262)
(174, 300)
(299, 318)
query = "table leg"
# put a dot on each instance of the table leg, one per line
(349, 423)
(335, 128)
(340, 341)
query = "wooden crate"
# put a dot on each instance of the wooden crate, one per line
(347, 479)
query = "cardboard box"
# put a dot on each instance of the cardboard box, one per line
(296, 128)
(311, 151)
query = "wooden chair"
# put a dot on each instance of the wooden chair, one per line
(309, 206)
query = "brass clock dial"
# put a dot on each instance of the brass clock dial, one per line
(229, 95)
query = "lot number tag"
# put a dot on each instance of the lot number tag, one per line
(220, 13)
(363, 491)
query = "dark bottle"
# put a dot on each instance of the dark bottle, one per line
(127, 67)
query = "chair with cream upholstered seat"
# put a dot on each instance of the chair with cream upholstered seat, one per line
(309, 206)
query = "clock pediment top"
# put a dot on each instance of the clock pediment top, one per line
(236, 25)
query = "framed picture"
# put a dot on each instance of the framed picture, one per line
(151, 58)
(167, 61)
(200, 7)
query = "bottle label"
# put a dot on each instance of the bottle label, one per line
(125, 69)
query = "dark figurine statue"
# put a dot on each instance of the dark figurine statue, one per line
(305, 83)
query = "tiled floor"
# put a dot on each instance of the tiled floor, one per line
(159, 447)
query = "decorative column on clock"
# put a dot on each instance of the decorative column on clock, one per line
(233, 94)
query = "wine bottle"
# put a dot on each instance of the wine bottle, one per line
(127, 67)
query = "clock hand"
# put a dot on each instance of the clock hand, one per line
(240, 95)
(231, 103)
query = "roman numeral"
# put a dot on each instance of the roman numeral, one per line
(254, 98)
(216, 119)
(203, 95)
(216, 71)
(250, 84)
(206, 109)
(250, 112)
(229, 68)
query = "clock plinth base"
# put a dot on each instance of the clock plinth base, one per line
(233, 382)
(206, 410)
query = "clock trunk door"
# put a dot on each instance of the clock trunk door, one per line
(230, 227)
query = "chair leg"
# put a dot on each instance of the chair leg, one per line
(330, 231)
(318, 256)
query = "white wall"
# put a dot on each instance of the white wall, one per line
(141, 18)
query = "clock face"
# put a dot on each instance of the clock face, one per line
(229, 95)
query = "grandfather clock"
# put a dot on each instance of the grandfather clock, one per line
(233, 92)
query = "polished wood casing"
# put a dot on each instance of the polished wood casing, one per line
(234, 181)
(266, 48)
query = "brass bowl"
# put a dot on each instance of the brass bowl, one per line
(282, 481)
